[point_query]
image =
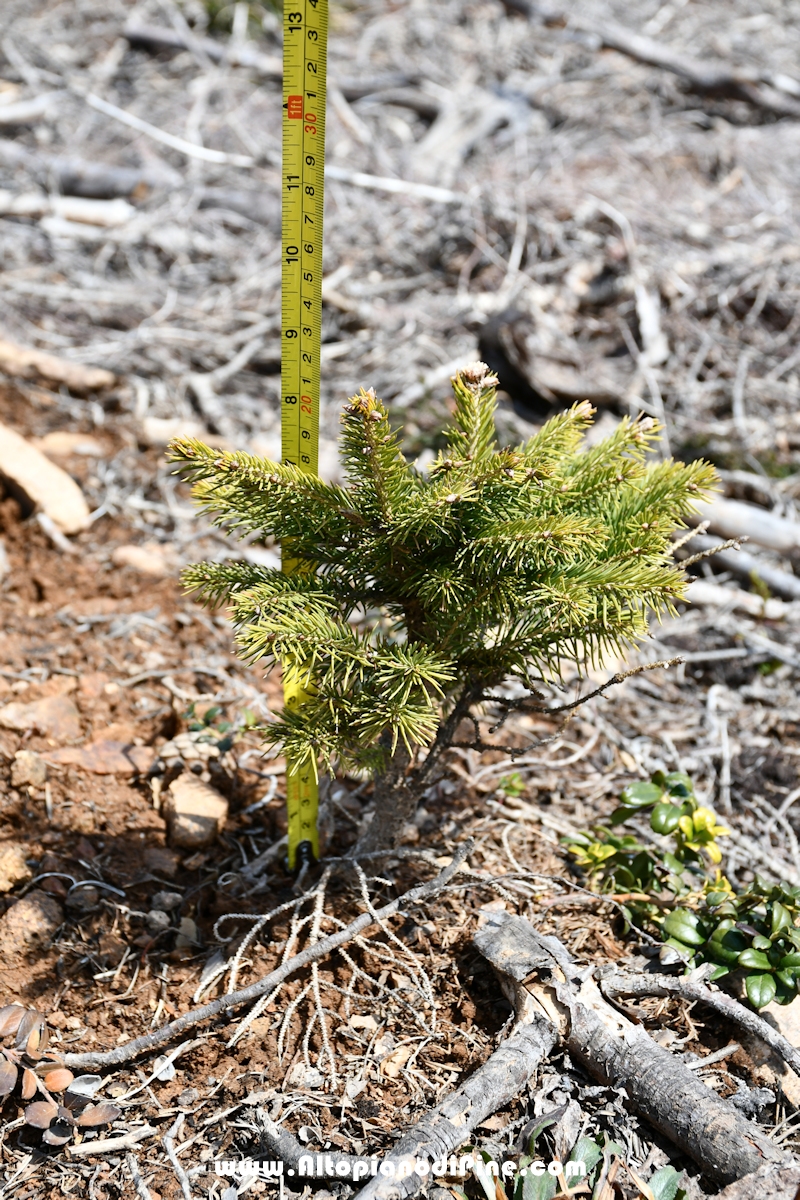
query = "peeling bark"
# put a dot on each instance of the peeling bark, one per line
(539, 975)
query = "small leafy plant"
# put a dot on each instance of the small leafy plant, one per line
(422, 594)
(674, 887)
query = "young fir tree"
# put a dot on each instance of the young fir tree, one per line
(422, 594)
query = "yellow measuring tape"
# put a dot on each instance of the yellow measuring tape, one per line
(305, 44)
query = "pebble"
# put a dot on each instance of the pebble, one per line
(55, 716)
(165, 862)
(13, 867)
(150, 559)
(30, 924)
(157, 920)
(46, 485)
(83, 899)
(166, 901)
(195, 813)
(28, 769)
(107, 755)
(62, 444)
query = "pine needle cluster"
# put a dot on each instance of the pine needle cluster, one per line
(420, 592)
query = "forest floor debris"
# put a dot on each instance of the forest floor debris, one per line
(574, 212)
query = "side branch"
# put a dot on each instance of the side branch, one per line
(311, 954)
(618, 985)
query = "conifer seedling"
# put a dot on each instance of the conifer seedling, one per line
(425, 593)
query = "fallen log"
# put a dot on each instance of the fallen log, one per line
(615, 984)
(736, 518)
(768, 1183)
(77, 177)
(745, 566)
(155, 38)
(25, 363)
(539, 976)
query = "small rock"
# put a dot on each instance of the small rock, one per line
(30, 924)
(92, 685)
(162, 861)
(13, 867)
(158, 431)
(111, 753)
(85, 850)
(83, 899)
(62, 444)
(47, 486)
(188, 935)
(28, 769)
(195, 812)
(111, 949)
(187, 1097)
(189, 748)
(157, 920)
(165, 1069)
(166, 901)
(55, 716)
(150, 559)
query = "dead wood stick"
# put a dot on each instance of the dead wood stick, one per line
(112, 1145)
(774, 93)
(77, 177)
(25, 363)
(389, 88)
(155, 38)
(768, 1183)
(737, 519)
(538, 974)
(745, 565)
(441, 1131)
(615, 984)
(149, 1041)
(444, 1128)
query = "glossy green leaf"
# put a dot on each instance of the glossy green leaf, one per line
(781, 918)
(725, 947)
(640, 795)
(761, 943)
(679, 784)
(664, 817)
(755, 960)
(685, 926)
(760, 989)
(790, 962)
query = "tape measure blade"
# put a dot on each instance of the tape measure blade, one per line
(305, 38)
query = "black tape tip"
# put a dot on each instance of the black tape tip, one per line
(303, 857)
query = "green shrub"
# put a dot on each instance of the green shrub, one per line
(428, 592)
(672, 889)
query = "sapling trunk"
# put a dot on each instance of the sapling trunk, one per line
(431, 590)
